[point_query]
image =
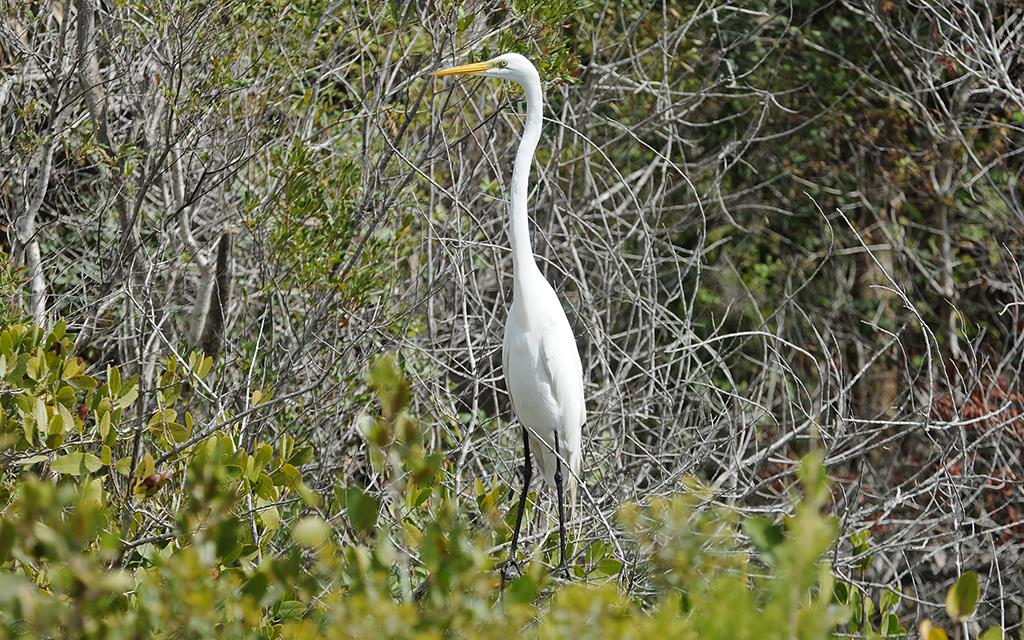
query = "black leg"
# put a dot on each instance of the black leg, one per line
(561, 508)
(527, 475)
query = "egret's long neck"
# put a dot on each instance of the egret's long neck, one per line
(519, 221)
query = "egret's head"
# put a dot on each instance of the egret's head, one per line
(510, 66)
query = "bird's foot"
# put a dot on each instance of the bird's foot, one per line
(510, 570)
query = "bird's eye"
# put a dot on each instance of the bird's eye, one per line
(502, 63)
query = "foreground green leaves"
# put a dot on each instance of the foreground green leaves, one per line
(202, 537)
(962, 598)
(961, 603)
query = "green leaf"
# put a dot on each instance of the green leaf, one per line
(393, 390)
(203, 366)
(145, 468)
(301, 456)
(610, 566)
(92, 493)
(226, 540)
(161, 416)
(39, 413)
(104, 424)
(362, 509)
(75, 464)
(890, 624)
(28, 424)
(8, 536)
(928, 632)
(764, 534)
(59, 329)
(87, 383)
(123, 466)
(859, 541)
(270, 516)
(264, 453)
(72, 367)
(290, 609)
(490, 500)
(413, 536)
(995, 633)
(56, 424)
(962, 597)
(31, 460)
(309, 497)
(287, 476)
(128, 397)
(256, 586)
(66, 418)
(888, 601)
(522, 590)
(113, 380)
(264, 487)
(311, 532)
(840, 592)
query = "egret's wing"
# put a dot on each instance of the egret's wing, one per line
(561, 362)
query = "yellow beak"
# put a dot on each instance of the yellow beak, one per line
(476, 67)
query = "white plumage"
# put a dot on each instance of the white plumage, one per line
(540, 360)
(544, 375)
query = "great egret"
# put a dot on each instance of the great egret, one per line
(539, 356)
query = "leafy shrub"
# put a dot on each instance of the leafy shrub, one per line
(121, 521)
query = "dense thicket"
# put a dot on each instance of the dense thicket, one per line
(778, 227)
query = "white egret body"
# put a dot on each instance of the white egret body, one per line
(539, 356)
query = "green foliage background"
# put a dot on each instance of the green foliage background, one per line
(251, 552)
